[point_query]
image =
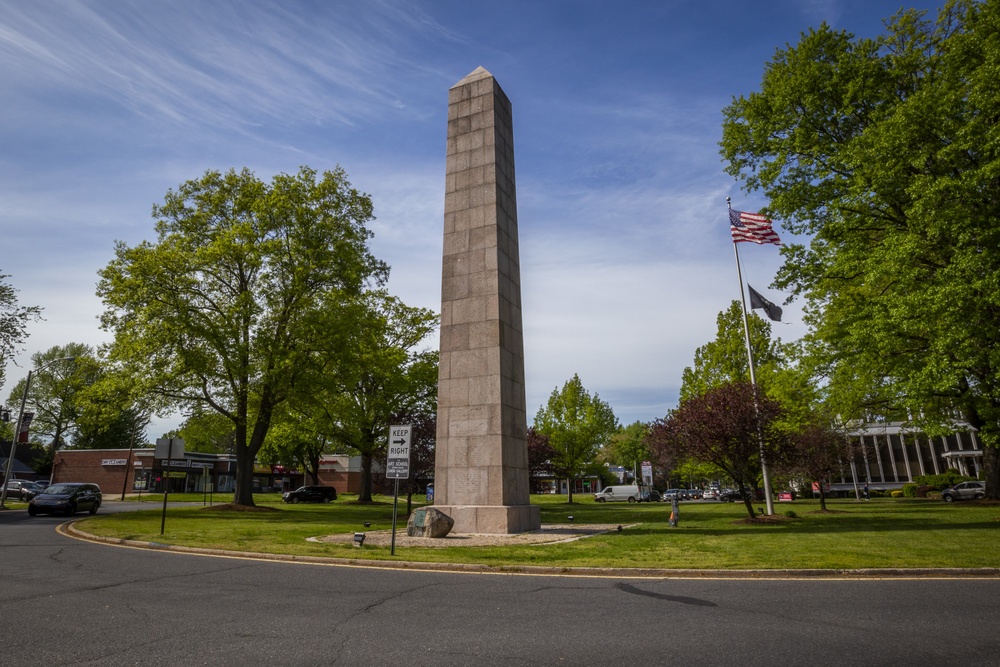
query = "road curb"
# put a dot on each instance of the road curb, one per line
(70, 529)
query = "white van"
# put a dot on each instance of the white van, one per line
(620, 494)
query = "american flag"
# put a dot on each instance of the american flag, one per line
(751, 227)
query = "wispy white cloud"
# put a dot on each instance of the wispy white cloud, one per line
(221, 63)
(621, 195)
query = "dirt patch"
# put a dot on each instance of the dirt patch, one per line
(230, 507)
(548, 534)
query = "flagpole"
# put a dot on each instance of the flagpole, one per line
(753, 377)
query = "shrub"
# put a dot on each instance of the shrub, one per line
(898, 493)
(910, 490)
(791, 514)
(943, 481)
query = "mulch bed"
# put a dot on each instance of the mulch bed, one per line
(230, 507)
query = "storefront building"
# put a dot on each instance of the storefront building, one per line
(139, 471)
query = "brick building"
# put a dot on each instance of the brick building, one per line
(139, 471)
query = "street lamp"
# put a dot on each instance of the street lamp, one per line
(17, 427)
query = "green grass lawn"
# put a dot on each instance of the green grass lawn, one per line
(883, 533)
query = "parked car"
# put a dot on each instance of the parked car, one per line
(710, 494)
(31, 489)
(310, 494)
(964, 491)
(66, 498)
(730, 496)
(651, 496)
(14, 487)
(670, 494)
(695, 494)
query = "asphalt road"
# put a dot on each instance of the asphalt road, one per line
(68, 602)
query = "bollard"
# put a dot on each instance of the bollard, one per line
(675, 513)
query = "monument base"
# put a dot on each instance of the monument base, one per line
(493, 519)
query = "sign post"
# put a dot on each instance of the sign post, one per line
(167, 448)
(647, 474)
(397, 467)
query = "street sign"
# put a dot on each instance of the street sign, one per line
(169, 448)
(397, 467)
(397, 464)
(647, 473)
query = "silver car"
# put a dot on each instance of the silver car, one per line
(964, 491)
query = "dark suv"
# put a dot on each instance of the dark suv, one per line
(314, 494)
(66, 498)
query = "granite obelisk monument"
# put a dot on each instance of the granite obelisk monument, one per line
(481, 460)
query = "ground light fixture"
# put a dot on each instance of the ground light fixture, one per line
(359, 539)
(368, 524)
(570, 517)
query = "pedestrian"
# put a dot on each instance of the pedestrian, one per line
(866, 492)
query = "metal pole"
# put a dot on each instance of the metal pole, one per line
(128, 462)
(166, 485)
(13, 442)
(395, 504)
(753, 379)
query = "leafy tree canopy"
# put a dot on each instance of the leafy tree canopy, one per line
(205, 430)
(14, 320)
(54, 393)
(244, 298)
(627, 447)
(577, 425)
(724, 360)
(386, 371)
(885, 154)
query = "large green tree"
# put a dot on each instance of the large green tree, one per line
(125, 430)
(577, 426)
(296, 441)
(884, 153)
(111, 414)
(724, 360)
(14, 320)
(387, 371)
(54, 392)
(242, 300)
(205, 430)
(627, 447)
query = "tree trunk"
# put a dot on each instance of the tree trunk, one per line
(365, 495)
(246, 454)
(243, 493)
(569, 487)
(314, 470)
(822, 498)
(988, 441)
(991, 471)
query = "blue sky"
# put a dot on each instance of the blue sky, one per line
(626, 257)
